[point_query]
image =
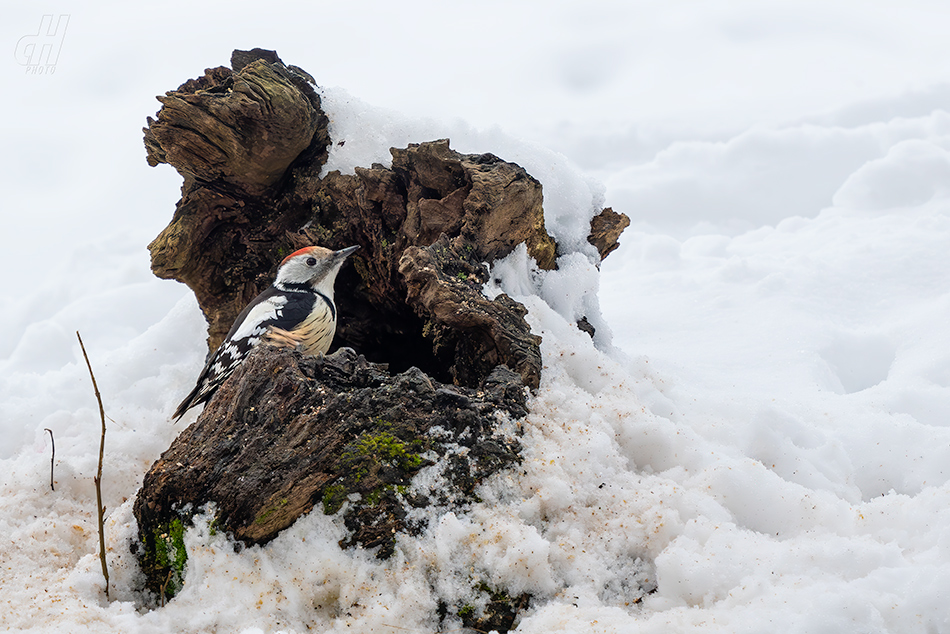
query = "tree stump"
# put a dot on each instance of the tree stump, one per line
(437, 366)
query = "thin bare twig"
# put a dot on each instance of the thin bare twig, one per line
(165, 585)
(52, 458)
(100, 509)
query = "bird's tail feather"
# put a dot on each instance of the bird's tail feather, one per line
(190, 401)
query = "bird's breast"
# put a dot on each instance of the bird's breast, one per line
(316, 331)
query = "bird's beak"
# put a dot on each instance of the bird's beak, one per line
(344, 253)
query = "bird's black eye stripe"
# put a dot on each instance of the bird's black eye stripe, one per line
(311, 261)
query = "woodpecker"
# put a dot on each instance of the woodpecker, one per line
(296, 311)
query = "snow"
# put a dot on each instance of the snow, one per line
(760, 429)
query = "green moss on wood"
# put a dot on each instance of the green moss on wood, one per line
(333, 498)
(374, 449)
(170, 554)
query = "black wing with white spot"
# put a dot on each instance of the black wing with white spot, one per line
(272, 308)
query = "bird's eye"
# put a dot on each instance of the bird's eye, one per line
(311, 261)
